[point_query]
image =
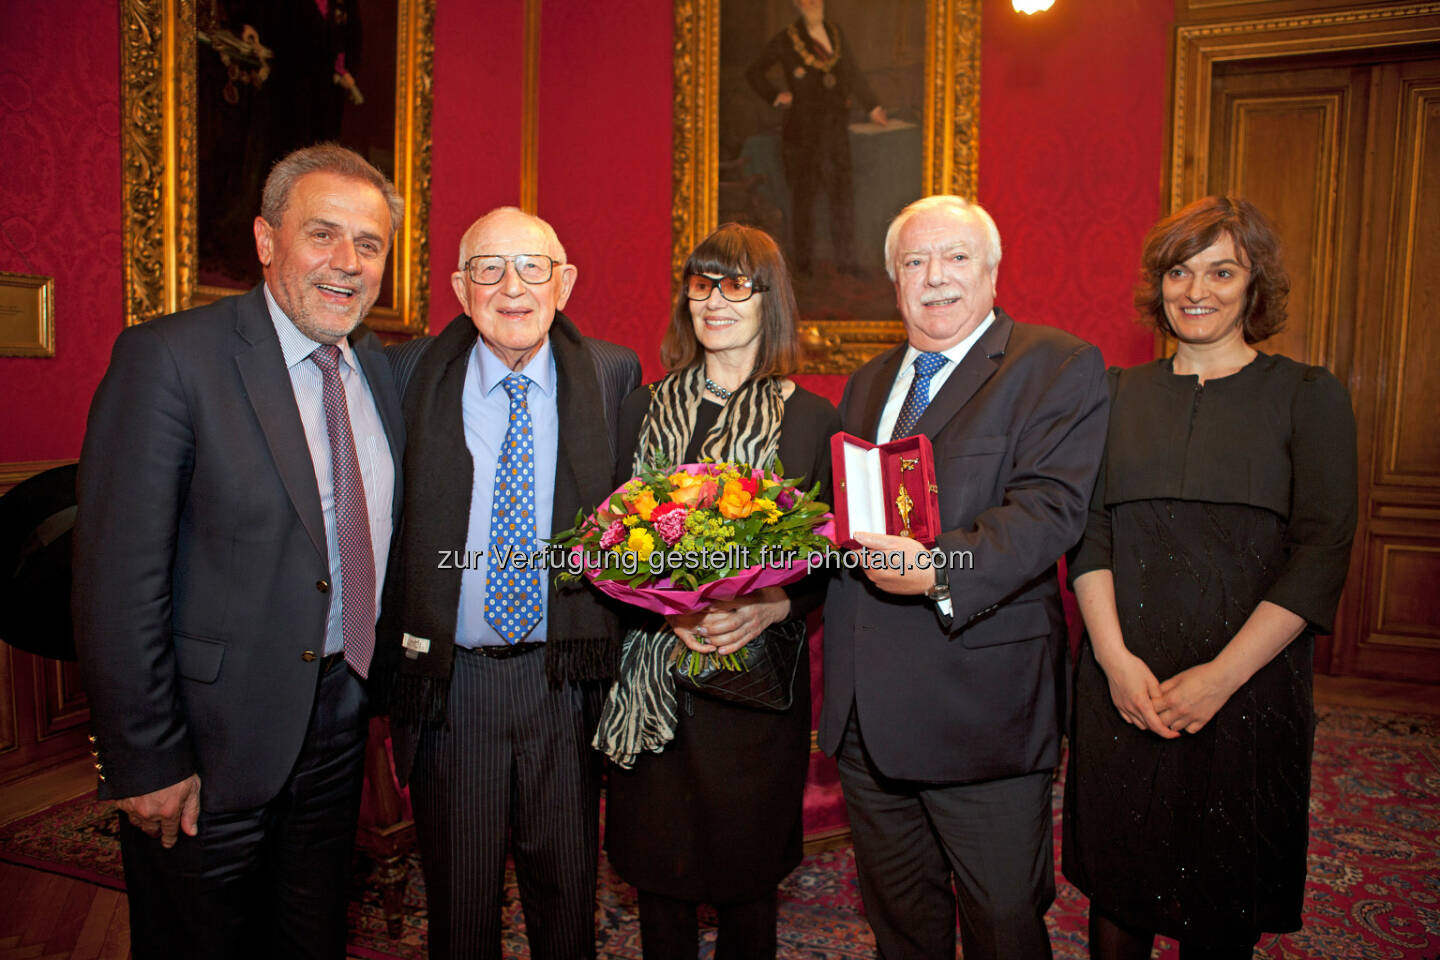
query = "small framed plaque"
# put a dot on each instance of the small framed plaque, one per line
(27, 315)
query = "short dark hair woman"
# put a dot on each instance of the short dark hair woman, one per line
(713, 815)
(1217, 545)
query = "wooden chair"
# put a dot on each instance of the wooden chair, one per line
(387, 825)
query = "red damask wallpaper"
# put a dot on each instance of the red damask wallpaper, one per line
(605, 163)
(475, 160)
(1072, 134)
(60, 210)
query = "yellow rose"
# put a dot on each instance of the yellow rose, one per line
(736, 503)
(640, 543)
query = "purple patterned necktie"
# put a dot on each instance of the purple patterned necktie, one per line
(926, 366)
(352, 519)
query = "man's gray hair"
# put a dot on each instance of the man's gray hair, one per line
(324, 158)
(943, 203)
(551, 237)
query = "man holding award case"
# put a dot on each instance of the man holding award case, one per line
(945, 691)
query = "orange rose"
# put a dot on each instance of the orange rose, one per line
(691, 490)
(736, 503)
(643, 503)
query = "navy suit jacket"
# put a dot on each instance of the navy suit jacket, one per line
(200, 567)
(1018, 430)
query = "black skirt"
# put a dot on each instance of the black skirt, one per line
(716, 817)
(1204, 834)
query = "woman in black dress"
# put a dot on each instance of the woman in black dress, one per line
(713, 815)
(1217, 545)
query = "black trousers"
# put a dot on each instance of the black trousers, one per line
(513, 771)
(670, 928)
(992, 838)
(273, 881)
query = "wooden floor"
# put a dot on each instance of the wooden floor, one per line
(53, 918)
(47, 917)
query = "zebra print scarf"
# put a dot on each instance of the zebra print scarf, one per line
(640, 712)
(747, 430)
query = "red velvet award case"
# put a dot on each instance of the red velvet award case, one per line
(887, 487)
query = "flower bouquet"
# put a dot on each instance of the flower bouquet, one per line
(673, 540)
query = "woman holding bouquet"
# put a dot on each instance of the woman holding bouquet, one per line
(714, 815)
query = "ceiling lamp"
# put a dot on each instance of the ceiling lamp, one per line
(1031, 6)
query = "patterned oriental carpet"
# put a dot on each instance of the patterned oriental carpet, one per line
(1373, 893)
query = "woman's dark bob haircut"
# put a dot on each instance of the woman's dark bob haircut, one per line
(1190, 230)
(737, 250)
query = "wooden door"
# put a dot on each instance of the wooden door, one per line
(1343, 151)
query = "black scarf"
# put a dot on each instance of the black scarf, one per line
(583, 632)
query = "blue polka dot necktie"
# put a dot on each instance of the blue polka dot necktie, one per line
(926, 366)
(512, 595)
(352, 518)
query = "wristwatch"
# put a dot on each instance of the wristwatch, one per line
(941, 590)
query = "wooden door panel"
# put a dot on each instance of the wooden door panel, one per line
(1397, 627)
(1400, 635)
(62, 705)
(1410, 438)
(1291, 141)
(9, 735)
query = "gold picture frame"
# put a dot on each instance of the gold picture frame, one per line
(159, 163)
(949, 150)
(27, 315)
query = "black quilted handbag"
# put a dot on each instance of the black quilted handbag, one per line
(768, 680)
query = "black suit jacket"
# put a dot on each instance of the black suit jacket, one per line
(200, 568)
(1018, 430)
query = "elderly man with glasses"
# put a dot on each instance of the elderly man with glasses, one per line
(498, 670)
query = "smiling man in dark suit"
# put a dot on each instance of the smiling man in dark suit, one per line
(944, 691)
(238, 487)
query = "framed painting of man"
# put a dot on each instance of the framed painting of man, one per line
(215, 91)
(818, 120)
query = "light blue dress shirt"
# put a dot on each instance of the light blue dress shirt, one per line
(485, 406)
(372, 450)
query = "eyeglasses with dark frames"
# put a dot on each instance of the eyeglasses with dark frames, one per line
(488, 269)
(736, 289)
